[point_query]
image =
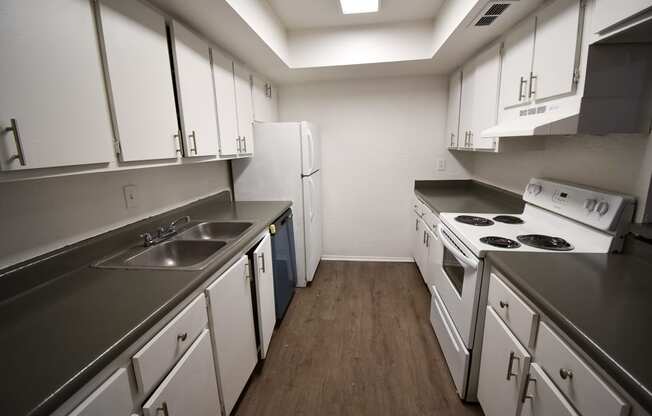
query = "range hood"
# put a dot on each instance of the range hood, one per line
(616, 97)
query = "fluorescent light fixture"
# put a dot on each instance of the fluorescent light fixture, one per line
(359, 6)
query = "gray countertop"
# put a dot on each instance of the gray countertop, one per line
(467, 195)
(601, 301)
(62, 321)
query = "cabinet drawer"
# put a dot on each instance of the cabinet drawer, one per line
(161, 352)
(431, 219)
(518, 316)
(584, 389)
(112, 398)
(452, 346)
(542, 397)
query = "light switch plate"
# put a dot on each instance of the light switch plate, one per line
(131, 196)
(441, 164)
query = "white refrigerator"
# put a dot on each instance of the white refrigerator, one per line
(287, 167)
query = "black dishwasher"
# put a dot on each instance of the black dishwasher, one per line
(284, 262)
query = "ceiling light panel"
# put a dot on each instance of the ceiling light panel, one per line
(359, 6)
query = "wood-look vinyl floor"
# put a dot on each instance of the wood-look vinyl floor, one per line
(357, 342)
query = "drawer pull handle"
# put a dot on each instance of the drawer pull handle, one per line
(164, 409)
(182, 337)
(527, 384)
(503, 305)
(510, 364)
(565, 373)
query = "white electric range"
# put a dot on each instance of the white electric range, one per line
(557, 218)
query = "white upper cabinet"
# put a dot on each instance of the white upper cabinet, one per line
(140, 79)
(556, 49)
(225, 99)
(53, 104)
(517, 64)
(264, 98)
(195, 93)
(606, 14)
(453, 117)
(245, 108)
(466, 107)
(485, 96)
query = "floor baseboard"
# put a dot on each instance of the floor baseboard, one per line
(368, 258)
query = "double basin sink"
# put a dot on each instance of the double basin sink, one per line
(191, 248)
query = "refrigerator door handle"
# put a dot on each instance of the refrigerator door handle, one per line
(311, 144)
(312, 193)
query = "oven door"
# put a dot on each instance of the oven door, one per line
(457, 280)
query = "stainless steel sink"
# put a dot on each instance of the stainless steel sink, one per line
(193, 248)
(176, 253)
(214, 231)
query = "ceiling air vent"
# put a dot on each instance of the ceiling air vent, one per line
(491, 11)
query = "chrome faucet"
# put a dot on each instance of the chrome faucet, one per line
(164, 232)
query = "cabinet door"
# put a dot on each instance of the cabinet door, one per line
(265, 107)
(420, 245)
(417, 236)
(555, 49)
(112, 398)
(264, 273)
(142, 90)
(232, 324)
(517, 64)
(485, 96)
(245, 109)
(225, 99)
(52, 86)
(605, 15)
(467, 106)
(542, 398)
(453, 118)
(503, 369)
(434, 256)
(195, 93)
(191, 387)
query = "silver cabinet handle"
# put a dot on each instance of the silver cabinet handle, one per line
(527, 384)
(182, 337)
(238, 140)
(20, 155)
(510, 364)
(244, 140)
(424, 237)
(521, 95)
(177, 141)
(427, 240)
(193, 136)
(452, 139)
(416, 224)
(531, 91)
(565, 373)
(262, 260)
(164, 409)
(503, 305)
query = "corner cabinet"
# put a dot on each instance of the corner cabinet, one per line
(232, 326)
(140, 81)
(195, 92)
(53, 114)
(191, 387)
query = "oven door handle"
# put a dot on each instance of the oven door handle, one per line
(448, 243)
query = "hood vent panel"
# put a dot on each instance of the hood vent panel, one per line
(491, 12)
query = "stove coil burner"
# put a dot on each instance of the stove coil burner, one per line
(545, 242)
(473, 220)
(501, 242)
(508, 219)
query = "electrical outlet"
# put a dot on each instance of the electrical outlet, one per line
(441, 164)
(131, 196)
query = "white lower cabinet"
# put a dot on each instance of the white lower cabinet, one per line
(503, 369)
(232, 326)
(191, 387)
(433, 255)
(542, 397)
(420, 250)
(265, 304)
(112, 398)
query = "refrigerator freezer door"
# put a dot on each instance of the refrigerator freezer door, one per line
(310, 148)
(312, 222)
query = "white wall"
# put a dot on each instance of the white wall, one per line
(618, 163)
(378, 136)
(42, 215)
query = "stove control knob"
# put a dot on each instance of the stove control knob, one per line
(535, 189)
(602, 208)
(590, 204)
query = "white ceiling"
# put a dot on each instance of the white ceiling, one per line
(311, 14)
